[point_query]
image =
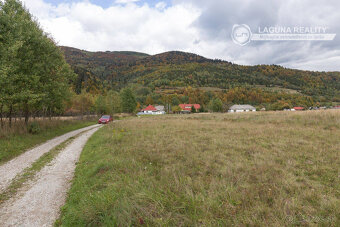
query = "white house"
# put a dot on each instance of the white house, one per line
(241, 108)
(151, 110)
(160, 109)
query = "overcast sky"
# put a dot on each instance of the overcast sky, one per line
(198, 26)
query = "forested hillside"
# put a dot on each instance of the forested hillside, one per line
(178, 69)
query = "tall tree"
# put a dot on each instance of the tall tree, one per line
(129, 102)
(101, 105)
(149, 100)
(36, 72)
(3, 78)
(114, 102)
(216, 105)
(10, 43)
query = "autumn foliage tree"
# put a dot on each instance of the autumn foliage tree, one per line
(149, 100)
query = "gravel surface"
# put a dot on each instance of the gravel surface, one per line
(11, 169)
(39, 202)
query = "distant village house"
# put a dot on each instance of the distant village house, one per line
(160, 109)
(151, 110)
(186, 108)
(298, 108)
(241, 108)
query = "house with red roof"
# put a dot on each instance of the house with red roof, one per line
(151, 110)
(186, 108)
(298, 108)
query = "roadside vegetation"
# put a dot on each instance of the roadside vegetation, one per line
(268, 168)
(17, 139)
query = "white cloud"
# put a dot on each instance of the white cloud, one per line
(197, 26)
(125, 1)
(119, 27)
(160, 5)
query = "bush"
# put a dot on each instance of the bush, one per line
(193, 109)
(201, 110)
(34, 128)
(216, 105)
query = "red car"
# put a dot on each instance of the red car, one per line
(105, 119)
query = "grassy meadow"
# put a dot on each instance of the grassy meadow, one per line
(17, 139)
(257, 169)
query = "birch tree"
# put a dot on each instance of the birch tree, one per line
(33, 67)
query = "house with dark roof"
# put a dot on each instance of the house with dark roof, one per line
(241, 108)
(160, 108)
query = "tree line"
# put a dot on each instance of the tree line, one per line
(110, 102)
(135, 97)
(34, 77)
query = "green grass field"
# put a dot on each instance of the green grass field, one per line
(16, 140)
(257, 169)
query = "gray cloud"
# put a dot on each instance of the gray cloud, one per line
(198, 26)
(217, 18)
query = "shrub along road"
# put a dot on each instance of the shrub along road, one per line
(39, 201)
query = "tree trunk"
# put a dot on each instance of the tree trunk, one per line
(44, 113)
(26, 113)
(1, 115)
(50, 114)
(10, 115)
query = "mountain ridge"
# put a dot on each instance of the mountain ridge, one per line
(179, 69)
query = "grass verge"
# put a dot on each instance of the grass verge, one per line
(14, 145)
(273, 169)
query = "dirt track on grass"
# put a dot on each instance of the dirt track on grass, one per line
(12, 168)
(39, 202)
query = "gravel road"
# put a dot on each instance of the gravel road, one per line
(11, 169)
(39, 202)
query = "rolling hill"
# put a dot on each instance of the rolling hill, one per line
(115, 70)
